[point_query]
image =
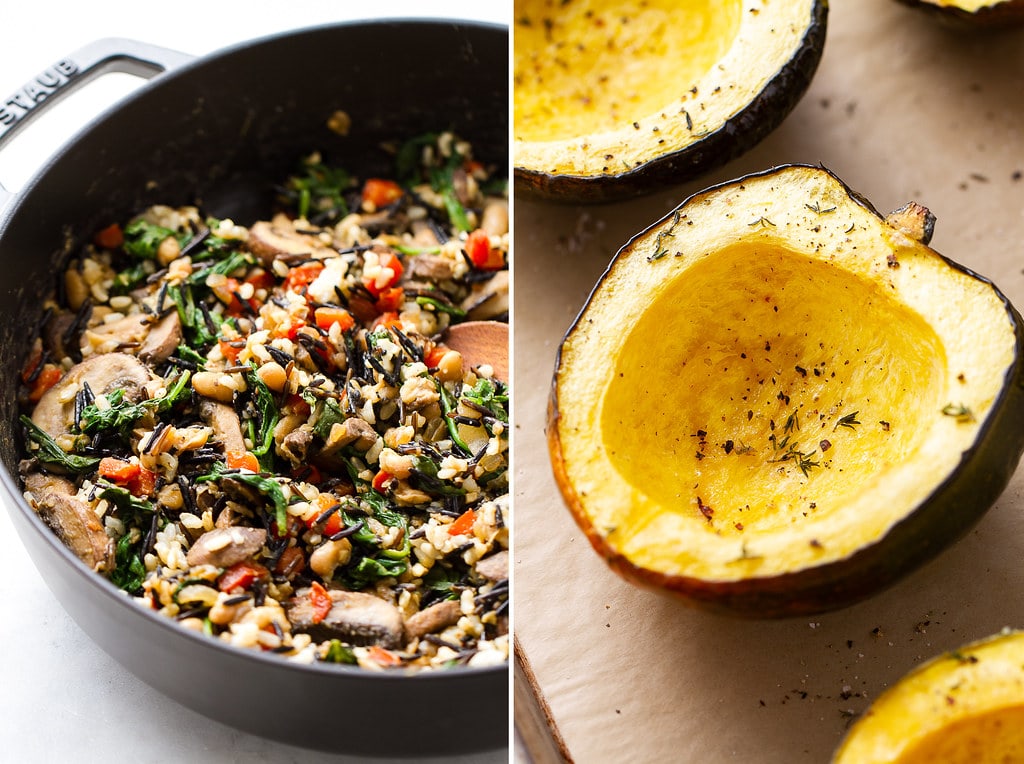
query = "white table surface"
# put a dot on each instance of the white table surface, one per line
(62, 699)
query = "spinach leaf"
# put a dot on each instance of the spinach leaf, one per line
(224, 267)
(370, 569)
(266, 415)
(120, 415)
(141, 239)
(320, 190)
(442, 579)
(490, 395)
(130, 508)
(410, 170)
(52, 455)
(364, 535)
(185, 353)
(201, 328)
(408, 158)
(177, 391)
(339, 653)
(448, 408)
(128, 279)
(425, 478)
(129, 571)
(330, 414)
(269, 487)
(441, 307)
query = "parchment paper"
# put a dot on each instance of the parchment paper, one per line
(902, 108)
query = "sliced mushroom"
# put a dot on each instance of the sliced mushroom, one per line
(424, 235)
(223, 547)
(162, 340)
(269, 240)
(488, 299)
(494, 567)
(432, 619)
(431, 267)
(295, 445)
(355, 617)
(353, 430)
(123, 333)
(462, 187)
(105, 373)
(57, 337)
(71, 519)
(222, 418)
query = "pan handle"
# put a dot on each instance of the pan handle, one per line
(112, 54)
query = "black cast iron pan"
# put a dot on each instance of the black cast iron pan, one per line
(220, 130)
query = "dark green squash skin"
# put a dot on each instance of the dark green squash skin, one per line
(949, 512)
(994, 16)
(742, 132)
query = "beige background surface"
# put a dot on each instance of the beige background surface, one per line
(902, 108)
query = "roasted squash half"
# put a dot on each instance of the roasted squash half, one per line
(777, 402)
(979, 13)
(615, 98)
(964, 707)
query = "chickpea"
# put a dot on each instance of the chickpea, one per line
(399, 465)
(495, 217)
(210, 384)
(449, 368)
(273, 376)
(168, 251)
(222, 614)
(328, 556)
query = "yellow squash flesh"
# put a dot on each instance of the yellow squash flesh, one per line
(965, 707)
(604, 88)
(767, 383)
(978, 13)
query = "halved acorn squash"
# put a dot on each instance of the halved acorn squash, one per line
(777, 402)
(615, 98)
(993, 13)
(963, 707)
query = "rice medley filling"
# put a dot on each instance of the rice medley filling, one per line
(258, 431)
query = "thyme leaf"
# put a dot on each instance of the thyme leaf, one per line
(959, 411)
(849, 421)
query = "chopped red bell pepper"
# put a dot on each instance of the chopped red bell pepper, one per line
(388, 320)
(390, 300)
(320, 600)
(380, 193)
(242, 460)
(383, 657)
(307, 473)
(241, 575)
(463, 523)
(143, 484)
(326, 316)
(228, 350)
(433, 357)
(47, 378)
(110, 237)
(261, 279)
(381, 479)
(330, 526)
(302, 276)
(118, 470)
(296, 404)
(481, 253)
(387, 260)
